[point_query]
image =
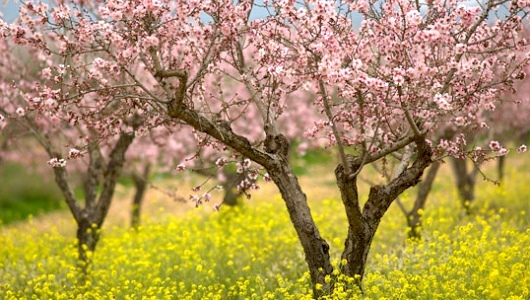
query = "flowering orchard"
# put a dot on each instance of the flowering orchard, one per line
(385, 90)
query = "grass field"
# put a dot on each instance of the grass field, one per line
(251, 252)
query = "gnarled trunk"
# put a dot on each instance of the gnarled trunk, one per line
(316, 249)
(465, 182)
(140, 184)
(363, 224)
(87, 239)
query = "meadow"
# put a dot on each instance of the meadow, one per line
(252, 252)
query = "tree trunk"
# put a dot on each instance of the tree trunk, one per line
(414, 216)
(500, 168)
(465, 183)
(87, 239)
(140, 184)
(90, 218)
(316, 249)
(363, 224)
(230, 188)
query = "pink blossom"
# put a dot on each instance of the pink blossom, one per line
(20, 111)
(196, 199)
(57, 163)
(74, 153)
(460, 121)
(495, 146)
(46, 73)
(150, 41)
(267, 177)
(413, 18)
(180, 167)
(502, 151)
(50, 102)
(216, 207)
(207, 197)
(253, 175)
(522, 149)
(221, 161)
(399, 80)
(442, 101)
(246, 163)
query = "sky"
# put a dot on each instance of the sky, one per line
(9, 10)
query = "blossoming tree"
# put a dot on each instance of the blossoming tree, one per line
(383, 90)
(30, 103)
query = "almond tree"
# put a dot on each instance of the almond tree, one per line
(30, 106)
(386, 89)
(373, 90)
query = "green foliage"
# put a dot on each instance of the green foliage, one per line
(23, 193)
(251, 252)
(302, 163)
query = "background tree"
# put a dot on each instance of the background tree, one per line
(29, 102)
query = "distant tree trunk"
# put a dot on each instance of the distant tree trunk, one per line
(230, 185)
(500, 168)
(231, 195)
(363, 223)
(424, 188)
(140, 184)
(465, 182)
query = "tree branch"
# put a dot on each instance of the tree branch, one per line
(224, 135)
(92, 176)
(112, 172)
(338, 138)
(61, 178)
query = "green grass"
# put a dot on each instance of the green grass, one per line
(24, 194)
(252, 252)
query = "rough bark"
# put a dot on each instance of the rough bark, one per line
(413, 216)
(465, 182)
(140, 184)
(363, 224)
(87, 239)
(316, 249)
(358, 240)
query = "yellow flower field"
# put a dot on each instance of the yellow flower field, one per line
(252, 252)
